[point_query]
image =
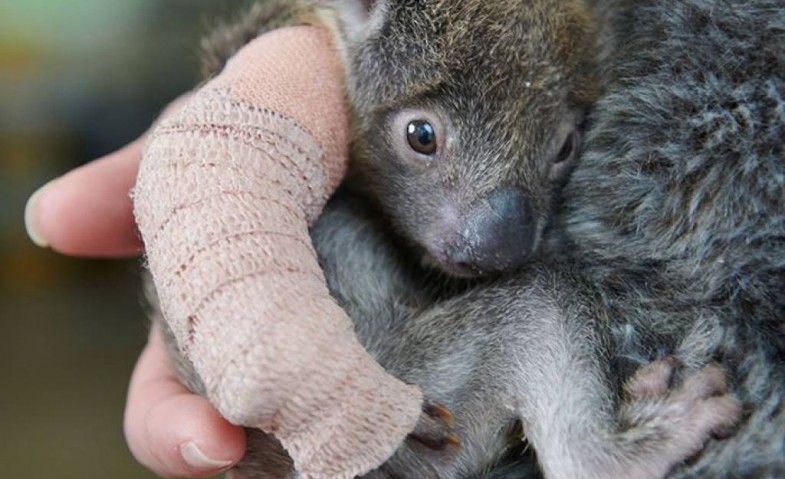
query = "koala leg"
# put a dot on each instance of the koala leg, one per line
(533, 349)
(381, 286)
(374, 280)
(529, 349)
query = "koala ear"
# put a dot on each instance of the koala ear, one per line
(360, 18)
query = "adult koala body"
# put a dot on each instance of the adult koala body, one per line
(675, 210)
(703, 283)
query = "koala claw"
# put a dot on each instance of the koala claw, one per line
(436, 427)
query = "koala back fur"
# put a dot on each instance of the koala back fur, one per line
(676, 211)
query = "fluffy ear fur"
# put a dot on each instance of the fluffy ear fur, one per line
(358, 19)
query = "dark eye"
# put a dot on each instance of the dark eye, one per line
(567, 149)
(421, 136)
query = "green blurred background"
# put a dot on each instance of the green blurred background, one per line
(78, 78)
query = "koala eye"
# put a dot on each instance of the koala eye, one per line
(421, 136)
(568, 148)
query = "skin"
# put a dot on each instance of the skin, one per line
(94, 221)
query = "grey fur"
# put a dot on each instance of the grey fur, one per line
(671, 242)
(458, 64)
(519, 348)
(675, 211)
(454, 64)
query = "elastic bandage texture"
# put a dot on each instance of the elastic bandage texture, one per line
(225, 194)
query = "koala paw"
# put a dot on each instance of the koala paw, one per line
(436, 427)
(424, 454)
(664, 424)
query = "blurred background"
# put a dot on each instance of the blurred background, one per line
(78, 79)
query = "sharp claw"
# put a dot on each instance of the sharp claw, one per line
(453, 440)
(436, 428)
(449, 440)
(441, 412)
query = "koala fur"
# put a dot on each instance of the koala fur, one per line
(669, 241)
(500, 156)
(674, 211)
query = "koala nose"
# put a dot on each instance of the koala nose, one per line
(496, 235)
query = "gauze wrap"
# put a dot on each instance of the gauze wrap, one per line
(225, 194)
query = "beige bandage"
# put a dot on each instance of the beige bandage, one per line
(225, 193)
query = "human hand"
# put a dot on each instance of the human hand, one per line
(88, 212)
(170, 430)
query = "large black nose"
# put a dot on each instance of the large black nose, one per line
(496, 235)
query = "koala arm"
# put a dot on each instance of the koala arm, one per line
(223, 200)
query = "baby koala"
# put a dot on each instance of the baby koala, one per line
(467, 115)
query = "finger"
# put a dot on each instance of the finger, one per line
(170, 430)
(88, 211)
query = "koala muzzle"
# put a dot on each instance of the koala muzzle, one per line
(497, 234)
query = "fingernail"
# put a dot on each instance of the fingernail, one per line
(30, 217)
(197, 459)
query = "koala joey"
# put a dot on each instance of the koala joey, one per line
(467, 118)
(466, 115)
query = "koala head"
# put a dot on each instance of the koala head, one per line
(467, 118)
